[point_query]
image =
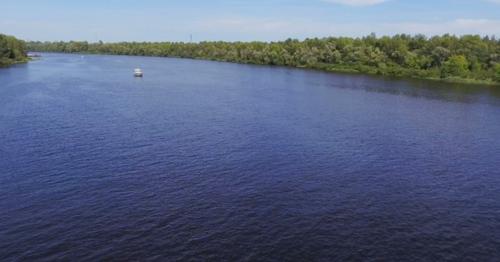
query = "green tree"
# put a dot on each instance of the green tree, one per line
(497, 72)
(12, 50)
(472, 57)
(439, 55)
(456, 65)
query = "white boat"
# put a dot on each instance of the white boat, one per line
(138, 72)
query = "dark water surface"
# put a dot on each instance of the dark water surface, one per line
(211, 161)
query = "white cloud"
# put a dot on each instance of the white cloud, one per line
(244, 29)
(375, 2)
(358, 2)
(457, 26)
(245, 25)
(260, 29)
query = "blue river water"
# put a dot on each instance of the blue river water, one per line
(209, 161)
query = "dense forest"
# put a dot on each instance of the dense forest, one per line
(12, 51)
(466, 58)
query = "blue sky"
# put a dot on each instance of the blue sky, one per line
(242, 20)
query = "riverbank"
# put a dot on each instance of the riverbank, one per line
(465, 59)
(457, 80)
(12, 51)
(4, 63)
(329, 68)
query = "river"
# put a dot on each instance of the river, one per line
(211, 161)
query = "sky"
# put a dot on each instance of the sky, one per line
(242, 20)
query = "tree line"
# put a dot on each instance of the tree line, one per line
(12, 51)
(469, 58)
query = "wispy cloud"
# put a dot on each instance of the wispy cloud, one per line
(276, 29)
(358, 2)
(375, 2)
(244, 25)
(233, 20)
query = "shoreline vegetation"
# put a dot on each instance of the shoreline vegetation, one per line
(466, 59)
(12, 51)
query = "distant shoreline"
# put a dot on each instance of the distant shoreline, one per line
(466, 59)
(340, 71)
